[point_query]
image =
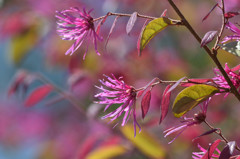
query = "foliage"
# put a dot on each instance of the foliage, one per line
(166, 48)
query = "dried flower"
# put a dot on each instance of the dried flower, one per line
(235, 77)
(77, 25)
(188, 122)
(235, 30)
(120, 94)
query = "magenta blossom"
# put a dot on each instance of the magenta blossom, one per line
(199, 155)
(77, 25)
(122, 95)
(235, 30)
(235, 77)
(188, 122)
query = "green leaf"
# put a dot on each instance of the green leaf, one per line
(145, 142)
(232, 47)
(152, 29)
(191, 97)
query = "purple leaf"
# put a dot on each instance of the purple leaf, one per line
(165, 103)
(210, 11)
(211, 149)
(176, 84)
(111, 30)
(206, 133)
(145, 103)
(131, 22)
(228, 150)
(208, 37)
(140, 36)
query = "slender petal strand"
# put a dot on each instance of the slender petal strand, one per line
(235, 30)
(188, 122)
(74, 24)
(121, 94)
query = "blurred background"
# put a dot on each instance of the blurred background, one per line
(55, 129)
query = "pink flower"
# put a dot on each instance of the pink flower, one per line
(120, 94)
(235, 77)
(77, 25)
(199, 155)
(188, 122)
(235, 30)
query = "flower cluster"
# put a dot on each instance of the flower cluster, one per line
(120, 94)
(77, 25)
(235, 77)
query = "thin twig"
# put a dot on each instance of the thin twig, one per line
(219, 132)
(224, 22)
(177, 22)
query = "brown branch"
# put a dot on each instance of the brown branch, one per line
(212, 53)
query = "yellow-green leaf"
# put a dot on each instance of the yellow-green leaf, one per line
(106, 152)
(191, 97)
(152, 29)
(145, 142)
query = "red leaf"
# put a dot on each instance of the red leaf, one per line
(111, 30)
(164, 13)
(140, 36)
(186, 84)
(208, 37)
(101, 23)
(145, 103)
(165, 103)
(145, 87)
(140, 93)
(210, 11)
(211, 149)
(231, 14)
(38, 94)
(87, 146)
(19, 79)
(131, 22)
(200, 81)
